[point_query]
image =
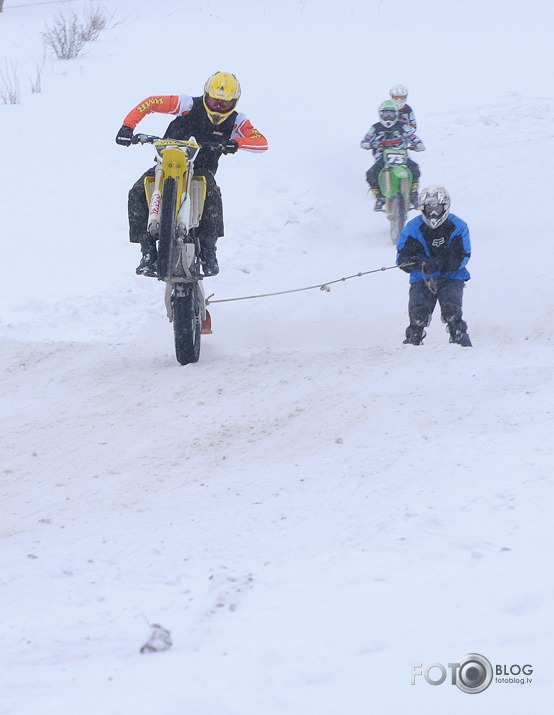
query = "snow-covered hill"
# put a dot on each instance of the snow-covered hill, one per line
(313, 507)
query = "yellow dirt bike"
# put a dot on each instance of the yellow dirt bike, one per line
(176, 200)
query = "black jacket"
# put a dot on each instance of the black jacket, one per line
(197, 124)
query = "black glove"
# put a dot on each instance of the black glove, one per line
(124, 136)
(229, 147)
(409, 263)
(431, 265)
(452, 263)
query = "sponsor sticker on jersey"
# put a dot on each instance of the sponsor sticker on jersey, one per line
(153, 100)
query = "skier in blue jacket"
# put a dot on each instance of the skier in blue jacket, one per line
(434, 249)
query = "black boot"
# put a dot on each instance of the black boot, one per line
(147, 265)
(458, 334)
(414, 335)
(379, 200)
(208, 258)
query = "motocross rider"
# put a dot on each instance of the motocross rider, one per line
(399, 95)
(434, 249)
(390, 132)
(211, 117)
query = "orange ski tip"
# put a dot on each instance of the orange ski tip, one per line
(207, 324)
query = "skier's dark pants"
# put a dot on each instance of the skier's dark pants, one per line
(422, 301)
(372, 174)
(211, 223)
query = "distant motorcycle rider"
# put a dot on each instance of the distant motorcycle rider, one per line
(211, 117)
(434, 249)
(399, 95)
(390, 132)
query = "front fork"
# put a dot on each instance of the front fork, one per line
(392, 181)
(173, 165)
(155, 204)
(179, 289)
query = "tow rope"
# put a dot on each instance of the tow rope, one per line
(322, 286)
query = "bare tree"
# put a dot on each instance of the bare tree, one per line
(9, 83)
(36, 80)
(65, 37)
(95, 20)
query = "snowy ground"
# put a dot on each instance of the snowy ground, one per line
(313, 507)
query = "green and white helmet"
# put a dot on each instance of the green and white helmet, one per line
(434, 204)
(388, 113)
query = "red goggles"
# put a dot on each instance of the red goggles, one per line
(219, 105)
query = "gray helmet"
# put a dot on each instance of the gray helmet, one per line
(399, 94)
(434, 204)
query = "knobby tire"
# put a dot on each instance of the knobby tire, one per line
(397, 218)
(167, 227)
(187, 324)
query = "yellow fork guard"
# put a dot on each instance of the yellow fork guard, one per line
(198, 189)
(148, 188)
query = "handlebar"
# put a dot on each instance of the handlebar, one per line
(152, 139)
(143, 139)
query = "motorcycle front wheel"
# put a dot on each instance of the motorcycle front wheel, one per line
(397, 217)
(187, 323)
(167, 227)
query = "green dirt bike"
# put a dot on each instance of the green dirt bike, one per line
(176, 201)
(395, 184)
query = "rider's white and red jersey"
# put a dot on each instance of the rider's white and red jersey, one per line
(246, 136)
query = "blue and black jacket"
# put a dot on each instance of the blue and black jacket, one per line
(448, 242)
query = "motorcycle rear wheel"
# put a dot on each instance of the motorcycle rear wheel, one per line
(397, 217)
(187, 323)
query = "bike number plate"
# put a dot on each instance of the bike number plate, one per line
(395, 159)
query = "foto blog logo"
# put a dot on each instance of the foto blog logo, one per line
(473, 673)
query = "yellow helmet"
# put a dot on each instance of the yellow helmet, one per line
(221, 94)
